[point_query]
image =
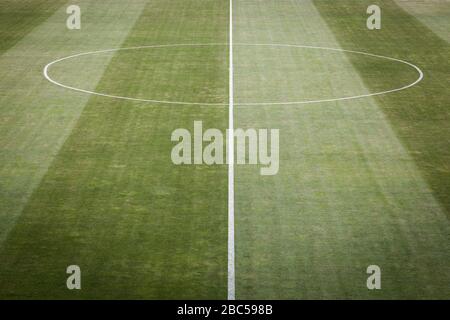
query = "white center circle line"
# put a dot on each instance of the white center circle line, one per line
(302, 102)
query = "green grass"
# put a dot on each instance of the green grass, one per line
(17, 18)
(113, 202)
(433, 15)
(420, 116)
(37, 117)
(348, 193)
(88, 180)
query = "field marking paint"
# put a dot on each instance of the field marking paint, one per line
(231, 265)
(419, 71)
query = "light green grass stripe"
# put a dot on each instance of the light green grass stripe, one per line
(421, 114)
(433, 14)
(18, 18)
(348, 194)
(35, 116)
(112, 201)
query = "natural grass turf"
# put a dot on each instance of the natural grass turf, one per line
(35, 116)
(113, 203)
(348, 193)
(19, 17)
(433, 14)
(420, 116)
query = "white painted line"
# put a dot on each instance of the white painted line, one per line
(419, 79)
(231, 267)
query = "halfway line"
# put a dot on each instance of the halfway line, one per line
(231, 272)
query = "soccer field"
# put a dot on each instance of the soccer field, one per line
(87, 179)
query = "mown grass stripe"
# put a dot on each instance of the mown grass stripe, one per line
(418, 115)
(348, 194)
(36, 117)
(112, 201)
(18, 18)
(434, 15)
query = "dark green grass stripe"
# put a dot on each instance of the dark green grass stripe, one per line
(19, 17)
(420, 116)
(113, 202)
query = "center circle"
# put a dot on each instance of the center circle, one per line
(247, 69)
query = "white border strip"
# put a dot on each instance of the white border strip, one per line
(231, 267)
(419, 71)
